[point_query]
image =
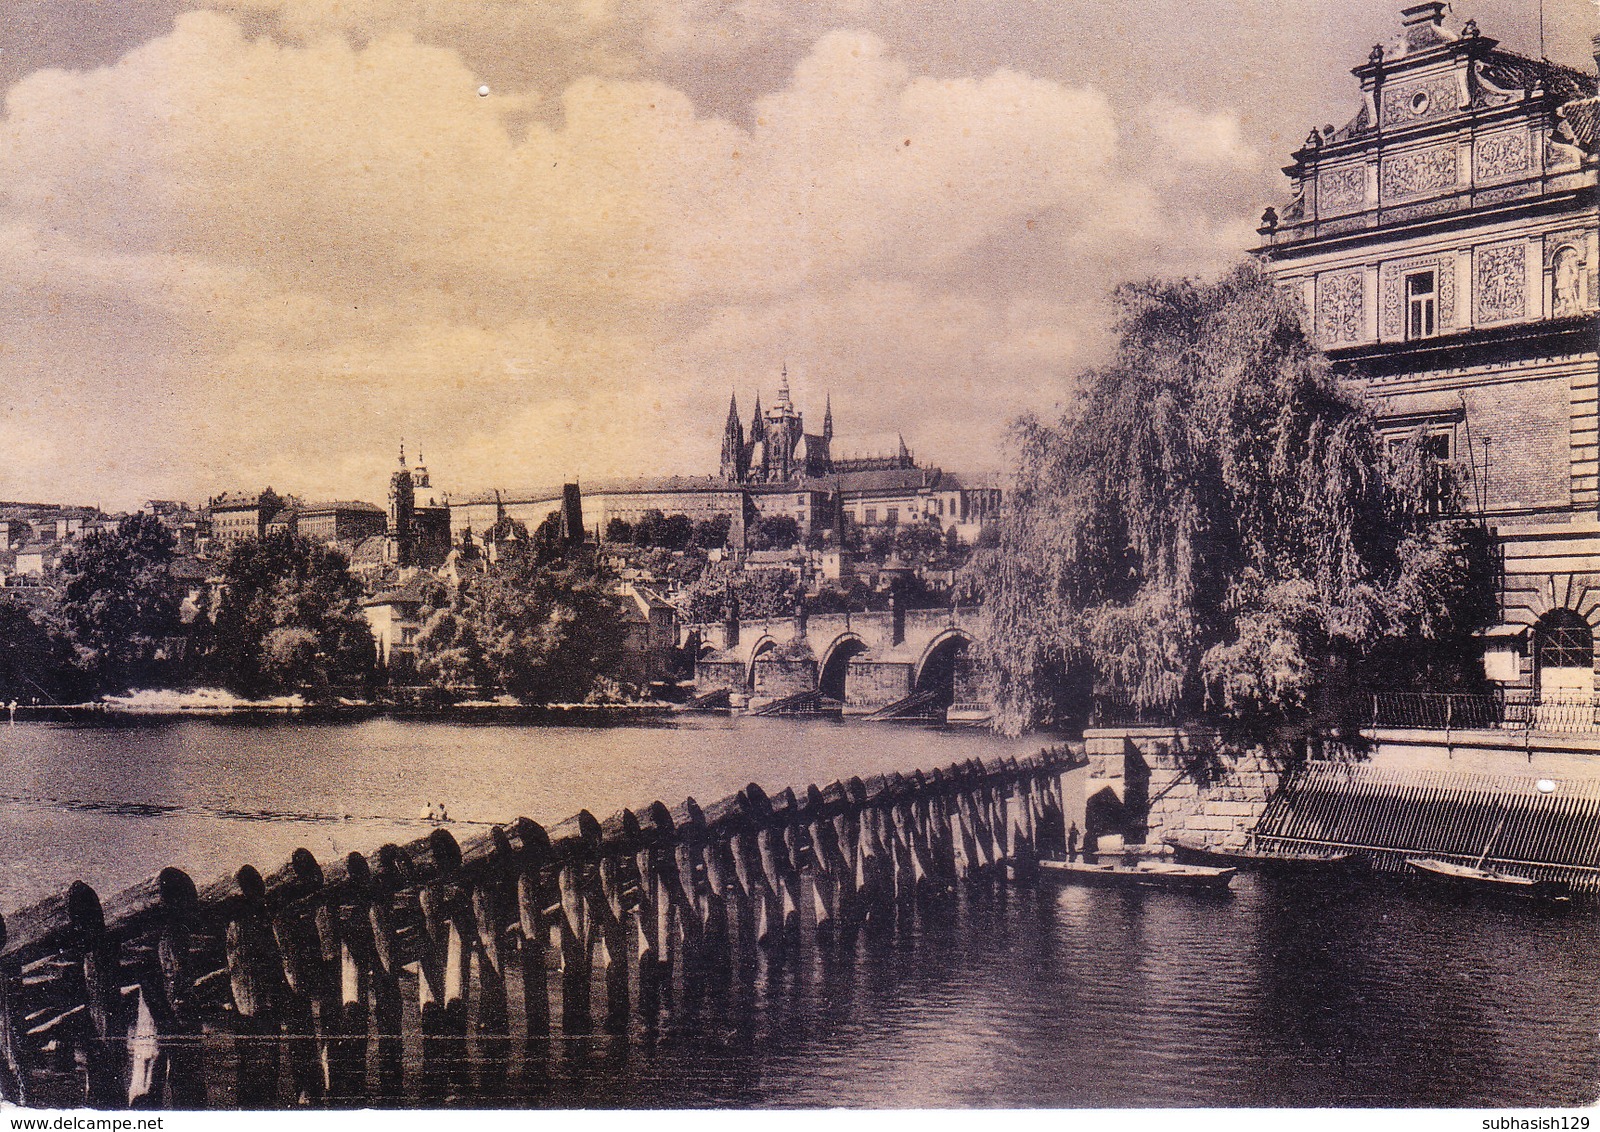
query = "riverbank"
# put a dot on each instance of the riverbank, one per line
(213, 703)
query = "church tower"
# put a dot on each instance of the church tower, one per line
(735, 460)
(402, 512)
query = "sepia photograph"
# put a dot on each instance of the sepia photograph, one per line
(891, 556)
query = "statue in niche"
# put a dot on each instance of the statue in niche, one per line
(1568, 284)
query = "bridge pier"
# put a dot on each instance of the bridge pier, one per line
(872, 684)
(776, 678)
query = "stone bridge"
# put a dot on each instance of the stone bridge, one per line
(863, 661)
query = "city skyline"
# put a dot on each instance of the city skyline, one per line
(257, 242)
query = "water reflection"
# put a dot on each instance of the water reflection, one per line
(1373, 993)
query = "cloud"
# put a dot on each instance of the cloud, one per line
(238, 258)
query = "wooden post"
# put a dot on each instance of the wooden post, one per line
(256, 993)
(534, 852)
(165, 1053)
(605, 928)
(678, 916)
(576, 959)
(15, 1087)
(483, 916)
(444, 964)
(874, 876)
(392, 874)
(105, 1021)
(300, 954)
(846, 832)
(638, 891)
(827, 862)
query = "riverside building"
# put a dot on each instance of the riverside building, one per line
(1442, 244)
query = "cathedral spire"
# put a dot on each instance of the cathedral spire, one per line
(827, 418)
(733, 456)
(783, 386)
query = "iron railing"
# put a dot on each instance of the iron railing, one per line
(1515, 710)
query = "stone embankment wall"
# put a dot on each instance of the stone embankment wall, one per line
(1148, 783)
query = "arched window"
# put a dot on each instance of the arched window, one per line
(1563, 655)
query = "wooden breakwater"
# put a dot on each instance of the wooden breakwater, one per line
(412, 976)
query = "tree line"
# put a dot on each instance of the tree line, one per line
(284, 615)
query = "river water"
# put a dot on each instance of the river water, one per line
(1376, 994)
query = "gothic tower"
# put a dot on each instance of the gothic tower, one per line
(735, 460)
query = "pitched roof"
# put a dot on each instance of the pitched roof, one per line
(1582, 116)
(340, 505)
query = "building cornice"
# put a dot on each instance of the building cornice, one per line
(1384, 230)
(1565, 337)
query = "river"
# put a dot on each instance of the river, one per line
(1373, 995)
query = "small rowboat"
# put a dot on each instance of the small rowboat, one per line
(1188, 850)
(1146, 874)
(1470, 879)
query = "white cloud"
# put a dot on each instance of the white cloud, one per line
(277, 254)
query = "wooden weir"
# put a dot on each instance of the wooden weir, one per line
(409, 976)
(1505, 821)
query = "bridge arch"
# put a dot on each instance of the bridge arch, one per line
(758, 650)
(835, 665)
(936, 667)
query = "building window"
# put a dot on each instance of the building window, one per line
(893, 516)
(872, 516)
(1421, 304)
(1436, 444)
(1563, 656)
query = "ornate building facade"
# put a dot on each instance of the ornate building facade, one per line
(1443, 247)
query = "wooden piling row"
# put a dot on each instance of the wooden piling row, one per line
(324, 975)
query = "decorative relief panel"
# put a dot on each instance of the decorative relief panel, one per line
(1342, 224)
(1340, 190)
(1412, 211)
(1391, 288)
(1501, 277)
(1504, 192)
(1341, 314)
(1502, 155)
(1418, 101)
(1420, 171)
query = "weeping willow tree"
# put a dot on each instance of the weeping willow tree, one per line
(1217, 531)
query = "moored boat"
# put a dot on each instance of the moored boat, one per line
(1145, 874)
(1475, 879)
(1190, 850)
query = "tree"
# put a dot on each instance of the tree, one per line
(619, 530)
(917, 542)
(675, 532)
(118, 606)
(34, 660)
(1217, 531)
(774, 532)
(544, 634)
(709, 534)
(647, 531)
(290, 616)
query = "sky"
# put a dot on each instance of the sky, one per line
(258, 242)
